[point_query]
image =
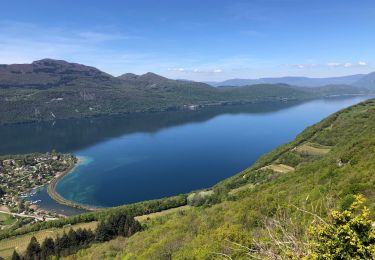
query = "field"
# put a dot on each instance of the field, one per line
(20, 243)
(162, 213)
(280, 168)
(3, 217)
(313, 149)
(6, 220)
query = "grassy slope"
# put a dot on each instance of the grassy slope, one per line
(318, 184)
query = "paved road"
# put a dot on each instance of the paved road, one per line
(26, 216)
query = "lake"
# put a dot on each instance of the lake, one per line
(147, 156)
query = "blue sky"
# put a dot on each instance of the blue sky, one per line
(198, 40)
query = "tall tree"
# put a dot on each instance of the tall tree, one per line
(47, 248)
(33, 250)
(2, 191)
(102, 232)
(16, 256)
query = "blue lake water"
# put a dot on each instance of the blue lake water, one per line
(148, 156)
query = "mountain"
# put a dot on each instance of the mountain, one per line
(294, 81)
(128, 76)
(47, 73)
(147, 77)
(337, 90)
(368, 81)
(54, 89)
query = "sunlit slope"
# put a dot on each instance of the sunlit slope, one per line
(320, 170)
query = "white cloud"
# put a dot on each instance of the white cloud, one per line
(177, 69)
(187, 71)
(333, 64)
(304, 66)
(96, 37)
(24, 43)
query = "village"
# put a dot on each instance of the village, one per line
(21, 175)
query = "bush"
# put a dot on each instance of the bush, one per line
(348, 234)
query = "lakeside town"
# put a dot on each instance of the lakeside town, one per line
(20, 175)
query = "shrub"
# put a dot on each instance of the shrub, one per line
(348, 235)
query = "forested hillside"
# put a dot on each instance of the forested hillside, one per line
(53, 89)
(266, 210)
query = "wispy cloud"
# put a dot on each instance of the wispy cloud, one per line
(253, 33)
(304, 65)
(189, 71)
(331, 65)
(95, 37)
(26, 42)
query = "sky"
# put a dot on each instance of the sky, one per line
(203, 40)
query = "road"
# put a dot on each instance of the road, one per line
(26, 216)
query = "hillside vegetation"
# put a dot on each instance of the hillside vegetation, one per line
(53, 89)
(270, 212)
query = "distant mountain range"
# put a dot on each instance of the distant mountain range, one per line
(368, 81)
(361, 80)
(54, 89)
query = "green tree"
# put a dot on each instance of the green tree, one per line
(72, 240)
(2, 192)
(118, 224)
(21, 206)
(47, 248)
(348, 234)
(16, 256)
(33, 250)
(103, 232)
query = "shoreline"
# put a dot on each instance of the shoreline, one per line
(186, 108)
(51, 190)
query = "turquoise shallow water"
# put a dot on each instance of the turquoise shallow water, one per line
(148, 156)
